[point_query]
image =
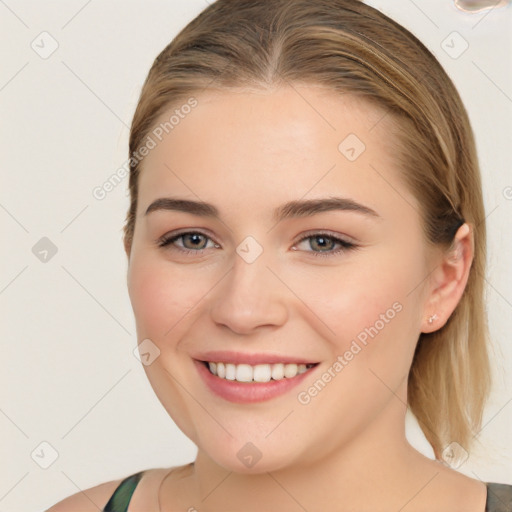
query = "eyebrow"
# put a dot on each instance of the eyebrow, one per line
(292, 209)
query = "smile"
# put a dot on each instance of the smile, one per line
(243, 383)
(257, 373)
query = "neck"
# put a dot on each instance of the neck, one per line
(376, 470)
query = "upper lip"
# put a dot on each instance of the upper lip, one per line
(225, 356)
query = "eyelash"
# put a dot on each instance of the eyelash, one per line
(167, 240)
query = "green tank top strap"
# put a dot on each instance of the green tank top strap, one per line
(120, 500)
(499, 498)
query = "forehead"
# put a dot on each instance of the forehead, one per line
(254, 146)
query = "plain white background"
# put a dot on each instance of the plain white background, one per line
(69, 376)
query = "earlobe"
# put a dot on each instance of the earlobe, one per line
(448, 280)
(432, 319)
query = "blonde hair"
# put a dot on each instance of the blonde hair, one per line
(353, 48)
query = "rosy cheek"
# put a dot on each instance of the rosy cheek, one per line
(161, 299)
(357, 301)
(148, 297)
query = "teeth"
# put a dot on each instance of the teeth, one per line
(290, 370)
(262, 373)
(257, 373)
(230, 371)
(301, 368)
(277, 371)
(243, 373)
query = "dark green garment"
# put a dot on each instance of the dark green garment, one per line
(499, 496)
(120, 500)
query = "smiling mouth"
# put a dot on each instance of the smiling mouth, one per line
(256, 373)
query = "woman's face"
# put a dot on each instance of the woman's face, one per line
(266, 288)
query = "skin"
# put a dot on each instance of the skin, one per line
(247, 153)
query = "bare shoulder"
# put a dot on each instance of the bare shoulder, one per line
(458, 491)
(88, 500)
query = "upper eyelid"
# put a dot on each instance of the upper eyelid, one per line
(327, 233)
(176, 235)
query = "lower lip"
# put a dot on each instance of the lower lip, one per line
(248, 392)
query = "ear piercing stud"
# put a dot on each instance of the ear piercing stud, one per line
(432, 318)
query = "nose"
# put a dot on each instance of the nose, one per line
(249, 297)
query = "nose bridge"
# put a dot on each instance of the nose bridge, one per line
(250, 295)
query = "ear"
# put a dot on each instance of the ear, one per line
(448, 280)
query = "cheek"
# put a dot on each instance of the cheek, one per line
(384, 313)
(161, 296)
(373, 315)
(359, 291)
(373, 299)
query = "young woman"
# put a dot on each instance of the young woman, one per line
(306, 244)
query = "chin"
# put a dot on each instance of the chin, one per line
(247, 459)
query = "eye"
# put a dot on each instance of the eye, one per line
(325, 242)
(191, 242)
(195, 242)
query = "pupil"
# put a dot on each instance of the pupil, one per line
(196, 239)
(322, 241)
